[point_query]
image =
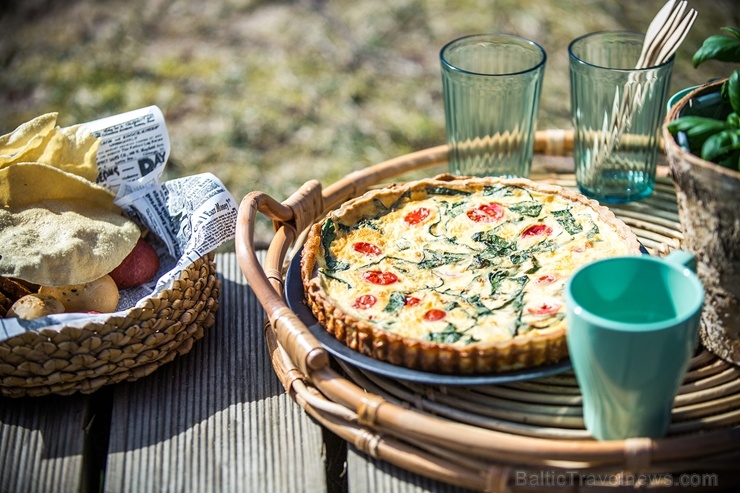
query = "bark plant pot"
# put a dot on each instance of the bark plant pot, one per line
(708, 198)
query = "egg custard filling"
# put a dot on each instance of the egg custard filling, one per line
(453, 275)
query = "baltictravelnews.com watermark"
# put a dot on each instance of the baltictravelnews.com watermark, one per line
(559, 478)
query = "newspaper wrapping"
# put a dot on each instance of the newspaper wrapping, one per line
(186, 217)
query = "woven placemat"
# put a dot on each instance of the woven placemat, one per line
(128, 347)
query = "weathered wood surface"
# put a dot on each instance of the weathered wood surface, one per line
(216, 419)
(213, 420)
(42, 441)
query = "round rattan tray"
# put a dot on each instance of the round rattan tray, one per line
(508, 437)
(128, 347)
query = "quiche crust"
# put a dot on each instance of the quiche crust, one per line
(531, 348)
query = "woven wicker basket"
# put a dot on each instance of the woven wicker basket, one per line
(128, 347)
(525, 436)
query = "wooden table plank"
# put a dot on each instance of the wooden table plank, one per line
(216, 419)
(368, 475)
(42, 440)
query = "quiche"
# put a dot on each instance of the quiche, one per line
(456, 275)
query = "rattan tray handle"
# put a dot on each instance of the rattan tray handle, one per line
(290, 217)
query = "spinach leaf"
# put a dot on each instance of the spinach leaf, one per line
(520, 257)
(544, 246)
(396, 302)
(456, 209)
(484, 259)
(504, 191)
(331, 275)
(535, 266)
(451, 305)
(449, 335)
(434, 259)
(530, 208)
(495, 279)
(480, 308)
(495, 244)
(328, 235)
(369, 224)
(567, 221)
(445, 191)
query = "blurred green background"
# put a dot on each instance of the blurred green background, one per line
(267, 95)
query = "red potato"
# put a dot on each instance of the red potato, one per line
(138, 267)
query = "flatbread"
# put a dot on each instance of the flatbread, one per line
(57, 228)
(72, 149)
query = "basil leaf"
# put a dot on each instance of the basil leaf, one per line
(734, 31)
(535, 266)
(732, 89)
(720, 144)
(451, 305)
(456, 209)
(328, 234)
(484, 259)
(717, 47)
(697, 129)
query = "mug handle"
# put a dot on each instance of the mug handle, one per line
(682, 257)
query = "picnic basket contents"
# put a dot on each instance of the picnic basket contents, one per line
(92, 291)
(505, 436)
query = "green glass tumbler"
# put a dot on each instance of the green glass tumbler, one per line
(617, 113)
(491, 85)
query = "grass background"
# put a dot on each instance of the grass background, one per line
(267, 95)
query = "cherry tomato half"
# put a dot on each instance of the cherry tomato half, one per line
(546, 279)
(365, 301)
(417, 215)
(411, 301)
(487, 213)
(366, 248)
(544, 309)
(434, 314)
(380, 277)
(537, 230)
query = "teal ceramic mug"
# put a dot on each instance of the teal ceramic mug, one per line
(632, 329)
